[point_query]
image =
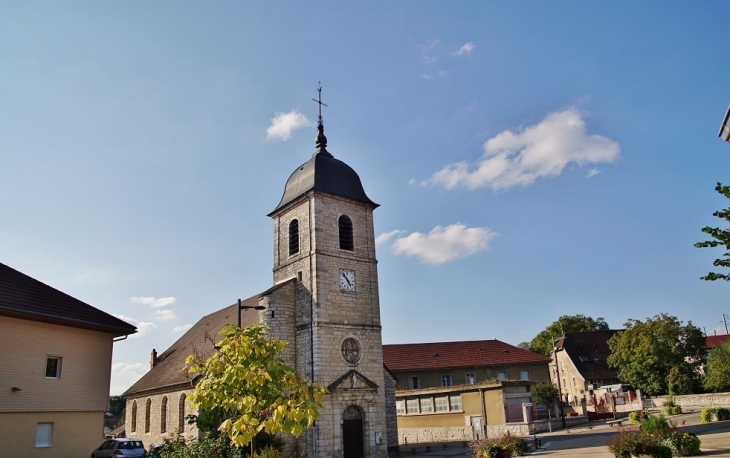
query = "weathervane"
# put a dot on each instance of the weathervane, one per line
(319, 101)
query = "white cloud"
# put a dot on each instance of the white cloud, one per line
(539, 151)
(182, 328)
(153, 301)
(593, 172)
(444, 244)
(125, 375)
(465, 50)
(386, 236)
(283, 124)
(163, 315)
(143, 327)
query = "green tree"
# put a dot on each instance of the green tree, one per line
(545, 393)
(721, 238)
(718, 368)
(543, 342)
(647, 353)
(117, 405)
(250, 389)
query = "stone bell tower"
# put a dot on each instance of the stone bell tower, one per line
(324, 239)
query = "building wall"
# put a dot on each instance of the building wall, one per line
(85, 367)
(391, 417)
(571, 381)
(432, 378)
(153, 434)
(75, 434)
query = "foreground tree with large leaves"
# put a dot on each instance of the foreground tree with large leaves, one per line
(721, 238)
(718, 368)
(250, 390)
(543, 342)
(659, 355)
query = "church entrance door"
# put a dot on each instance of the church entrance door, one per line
(352, 436)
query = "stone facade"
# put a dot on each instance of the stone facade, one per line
(326, 315)
(156, 417)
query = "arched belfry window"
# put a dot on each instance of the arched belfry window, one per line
(294, 237)
(346, 239)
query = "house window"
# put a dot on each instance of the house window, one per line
(442, 404)
(414, 383)
(181, 414)
(455, 402)
(134, 416)
(43, 435)
(525, 375)
(163, 415)
(426, 405)
(574, 385)
(565, 385)
(147, 412)
(446, 380)
(293, 237)
(53, 367)
(502, 375)
(400, 407)
(470, 379)
(346, 238)
(412, 406)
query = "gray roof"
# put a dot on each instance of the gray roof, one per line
(24, 297)
(322, 172)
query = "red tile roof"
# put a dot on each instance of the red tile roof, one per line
(24, 297)
(716, 341)
(443, 355)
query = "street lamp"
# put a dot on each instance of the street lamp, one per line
(243, 307)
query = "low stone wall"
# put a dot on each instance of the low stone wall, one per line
(542, 425)
(514, 429)
(407, 436)
(693, 400)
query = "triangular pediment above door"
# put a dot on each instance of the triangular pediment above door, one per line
(352, 380)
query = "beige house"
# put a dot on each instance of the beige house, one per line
(324, 302)
(456, 391)
(582, 366)
(55, 369)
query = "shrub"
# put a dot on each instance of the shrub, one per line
(269, 452)
(656, 426)
(493, 447)
(682, 443)
(624, 444)
(707, 415)
(670, 408)
(723, 414)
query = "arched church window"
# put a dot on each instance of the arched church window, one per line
(147, 412)
(346, 239)
(293, 237)
(181, 414)
(163, 415)
(134, 416)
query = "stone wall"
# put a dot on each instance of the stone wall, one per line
(692, 400)
(391, 417)
(407, 436)
(152, 432)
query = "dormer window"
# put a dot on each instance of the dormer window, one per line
(346, 239)
(294, 237)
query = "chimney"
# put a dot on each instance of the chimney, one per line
(153, 359)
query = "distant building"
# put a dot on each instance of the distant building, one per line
(55, 369)
(582, 366)
(716, 341)
(457, 391)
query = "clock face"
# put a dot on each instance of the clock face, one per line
(347, 280)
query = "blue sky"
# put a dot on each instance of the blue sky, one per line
(531, 159)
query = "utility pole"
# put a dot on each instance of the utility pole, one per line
(724, 321)
(560, 390)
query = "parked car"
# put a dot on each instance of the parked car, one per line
(154, 451)
(120, 448)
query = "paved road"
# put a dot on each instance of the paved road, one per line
(589, 440)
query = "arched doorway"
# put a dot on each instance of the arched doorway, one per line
(352, 435)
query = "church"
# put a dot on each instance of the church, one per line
(324, 302)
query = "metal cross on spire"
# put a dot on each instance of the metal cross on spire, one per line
(319, 101)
